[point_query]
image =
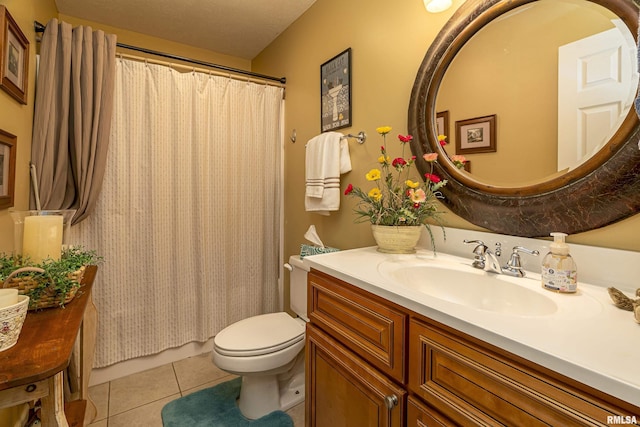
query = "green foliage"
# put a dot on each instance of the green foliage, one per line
(55, 279)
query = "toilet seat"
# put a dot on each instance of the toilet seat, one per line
(258, 335)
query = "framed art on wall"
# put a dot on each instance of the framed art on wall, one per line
(442, 123)
(477, 135)
(335, 92)
(14, 62)
(7, 168)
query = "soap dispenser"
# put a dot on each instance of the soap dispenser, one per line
(559, 271)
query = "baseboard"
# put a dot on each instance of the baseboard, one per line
(133, 366)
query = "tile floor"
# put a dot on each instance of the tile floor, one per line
(136, 400)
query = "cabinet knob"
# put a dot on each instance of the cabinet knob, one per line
(391, 401)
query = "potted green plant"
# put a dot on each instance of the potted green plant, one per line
(51, 282)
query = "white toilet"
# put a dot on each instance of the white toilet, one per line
(267, 351)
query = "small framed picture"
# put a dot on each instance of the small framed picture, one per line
(476, 135)
(335, 92)
(442, 123)
(7, 168)
(14, 63)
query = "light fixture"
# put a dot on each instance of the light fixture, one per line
(435, 6)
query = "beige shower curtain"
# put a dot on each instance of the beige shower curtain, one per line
(73, 109)
(189, 217)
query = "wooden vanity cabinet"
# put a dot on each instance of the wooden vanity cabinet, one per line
(362, 350)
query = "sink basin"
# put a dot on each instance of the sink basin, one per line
(472, 288)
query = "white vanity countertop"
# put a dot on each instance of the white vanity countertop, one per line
(587, 339)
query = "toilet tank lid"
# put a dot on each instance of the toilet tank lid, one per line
(297, 262)
(261, 332)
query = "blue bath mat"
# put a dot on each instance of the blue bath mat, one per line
(216, 407)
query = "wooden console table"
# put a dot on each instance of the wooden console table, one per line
(35, 367)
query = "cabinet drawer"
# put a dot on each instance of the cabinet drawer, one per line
(475, 385)
(364, 323)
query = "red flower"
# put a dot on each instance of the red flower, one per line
(348, 190)
(431, 177)
(442, 142)
(405, 138)
(398, 161)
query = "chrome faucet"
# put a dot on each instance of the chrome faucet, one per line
(514, 267)
(482, 252)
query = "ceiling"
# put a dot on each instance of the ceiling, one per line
(241, 28)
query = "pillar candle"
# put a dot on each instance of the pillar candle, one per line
(42, 237)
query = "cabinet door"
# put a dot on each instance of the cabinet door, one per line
(342, 390)
(419, 415)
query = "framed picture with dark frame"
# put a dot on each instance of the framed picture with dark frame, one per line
(14, 63)
(477, 135)
(335, 92)
(442, 123)
(7, 168)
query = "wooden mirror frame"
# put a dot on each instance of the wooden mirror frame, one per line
(603, 190)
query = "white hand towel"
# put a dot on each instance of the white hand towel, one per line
(327, 156)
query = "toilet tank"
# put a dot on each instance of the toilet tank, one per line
(298, 286)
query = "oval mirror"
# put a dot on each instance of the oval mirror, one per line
(535, 166)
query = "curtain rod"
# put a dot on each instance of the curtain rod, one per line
(39, 28)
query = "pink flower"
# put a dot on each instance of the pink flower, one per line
(417, 196)
(431, 177)
(405, 138)
(430, 157)
(348, 190)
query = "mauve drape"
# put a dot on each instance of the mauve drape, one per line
(73, 109)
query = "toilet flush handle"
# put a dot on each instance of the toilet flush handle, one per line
(288, 266)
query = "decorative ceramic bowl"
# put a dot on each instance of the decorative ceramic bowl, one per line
(11, 321)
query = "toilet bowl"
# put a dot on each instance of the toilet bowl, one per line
(267, 352)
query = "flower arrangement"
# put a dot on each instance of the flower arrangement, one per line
(397, 198)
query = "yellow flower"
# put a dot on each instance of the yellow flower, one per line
(442, 137)
(384, 160)
(412, 184)
(373, 175)
(375, 194)
(383, 130)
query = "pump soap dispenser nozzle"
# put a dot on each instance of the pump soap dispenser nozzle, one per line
(559, 271)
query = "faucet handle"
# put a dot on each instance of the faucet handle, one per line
(517, 249)
(480, 246)
(514, 266)
(478, 253)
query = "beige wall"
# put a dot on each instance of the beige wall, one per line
(389, 40)
(16, 118)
